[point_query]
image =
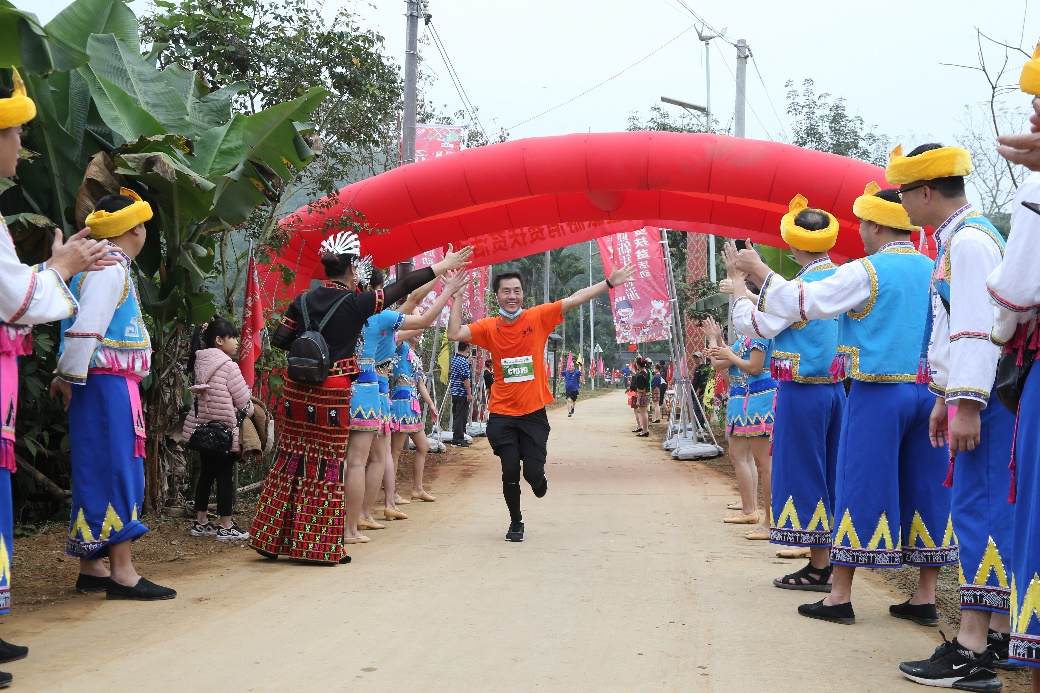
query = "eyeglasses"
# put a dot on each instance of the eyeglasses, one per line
(906, 190)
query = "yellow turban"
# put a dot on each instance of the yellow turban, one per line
(19, 109)
(1029, 81)
(873, 208)
(943, 162)
(110, 224)
(804, 239)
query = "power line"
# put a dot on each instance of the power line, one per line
(705, 22)
(609, 79)
(746, 99)
(467, 104)
(783, 132)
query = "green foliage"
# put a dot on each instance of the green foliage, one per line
(821, 122)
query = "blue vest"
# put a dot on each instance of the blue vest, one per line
(943, 270)
(740, 382)
(404, 373)
(127, 330)
(376, 343)
(882, 343)
(805, 351)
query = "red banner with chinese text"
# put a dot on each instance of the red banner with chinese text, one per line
(473, 301)
(251, 345)
(432, 141)
(642, 309)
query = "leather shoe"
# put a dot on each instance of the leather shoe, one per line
(400, 501)
(365, 523)
(9, 652)
(423, 496)
(393, 514)
(839, 613)
(359, 539)
(88, 584)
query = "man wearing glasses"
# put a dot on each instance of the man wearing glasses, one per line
(961, 366)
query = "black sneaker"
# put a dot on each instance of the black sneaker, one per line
(924, 614)
(463, 444)
(954, 666)
(516, 531)
(542, 488)
(202, 530)
(5, 679)
(997, 643)
(232, 533)
(838, 613)
(9, 652)
(144, 590)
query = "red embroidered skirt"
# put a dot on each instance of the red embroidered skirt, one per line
(301, 511)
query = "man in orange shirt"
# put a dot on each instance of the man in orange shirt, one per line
(517, 426)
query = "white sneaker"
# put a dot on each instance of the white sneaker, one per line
(232, 533)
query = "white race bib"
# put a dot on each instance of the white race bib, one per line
(517, 369)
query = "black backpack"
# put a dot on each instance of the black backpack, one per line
(309, 360)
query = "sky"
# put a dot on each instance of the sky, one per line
(516, 60)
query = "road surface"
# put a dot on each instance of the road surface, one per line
(627, 581)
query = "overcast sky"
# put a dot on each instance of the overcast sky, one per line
(517, 60)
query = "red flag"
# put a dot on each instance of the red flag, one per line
(671, 372)
(601, 371)
(251, 345)
(570, 361)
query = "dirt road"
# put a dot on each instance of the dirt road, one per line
(628, 581)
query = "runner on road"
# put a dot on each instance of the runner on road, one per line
(517, 426)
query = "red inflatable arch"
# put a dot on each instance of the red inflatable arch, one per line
(527, 196)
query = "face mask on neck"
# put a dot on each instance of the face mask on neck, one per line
(512, 316)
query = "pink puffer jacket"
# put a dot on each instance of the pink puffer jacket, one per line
(220, 390)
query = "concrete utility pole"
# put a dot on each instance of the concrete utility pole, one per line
(411, 97)
(411, 78)
(743, 52)
(592, 323)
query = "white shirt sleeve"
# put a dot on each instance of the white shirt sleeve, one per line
(1014, 286)
(973, 357)
(849, 288)
(99, 296)
(753, 322)
(938, 346)
(28, 296)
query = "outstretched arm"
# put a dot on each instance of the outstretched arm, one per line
(455, 282)
(457, 332)
(619, 276)
(416, 297)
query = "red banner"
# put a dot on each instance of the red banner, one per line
(250, 346)
(432, 141)
(642, 309)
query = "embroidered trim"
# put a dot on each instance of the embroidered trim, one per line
(1008, 305)
(940, 555)
(986, 597)
(881, 558)
(765, 289)
(857, 374)
(74, 379)
(795, 358)
(822, 263)
(27, 301)
(969, 335)
(1025, 648)
(936, 390)
(901, 247)
(800, 537)
(84, 335)
(379, 301)
(288, 322)
(969, 393)
(801, 300)
(872, 274)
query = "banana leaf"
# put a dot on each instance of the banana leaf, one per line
(779, 261)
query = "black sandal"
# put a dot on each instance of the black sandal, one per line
(808, 579)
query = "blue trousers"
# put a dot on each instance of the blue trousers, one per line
(983, 520)
(107, 480)
(1025, 547)
(890, 507)
(6, 540)
(805, 456)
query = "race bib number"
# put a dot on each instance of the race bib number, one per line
(517, 369)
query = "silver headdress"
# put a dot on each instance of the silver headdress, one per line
(343, 243)
(363, 270)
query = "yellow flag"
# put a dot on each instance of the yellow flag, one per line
(444, 361)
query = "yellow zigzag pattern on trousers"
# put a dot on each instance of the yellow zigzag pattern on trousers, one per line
(881, 532)
(112, 522)
(1030, 608)
(818, 520)
(5, 562)
(991, 561)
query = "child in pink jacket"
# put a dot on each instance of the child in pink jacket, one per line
(220, 392)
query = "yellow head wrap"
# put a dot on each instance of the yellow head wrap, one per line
(804, 239)
(19, 109)
(872, 208)
(943, 162)
(1029, 81)
(110, 224)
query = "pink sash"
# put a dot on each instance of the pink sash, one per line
(8, 408)
(133, 386)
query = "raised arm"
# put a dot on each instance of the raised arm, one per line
(457, 332)
(418, 278)
(619, 276)
(415, 298)
(456, 281)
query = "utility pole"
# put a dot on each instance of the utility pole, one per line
(706, 36)
(592, 324)
(411, 79)
(743, 52)
(411, 98)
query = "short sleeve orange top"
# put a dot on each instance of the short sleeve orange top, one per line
(518, 355)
